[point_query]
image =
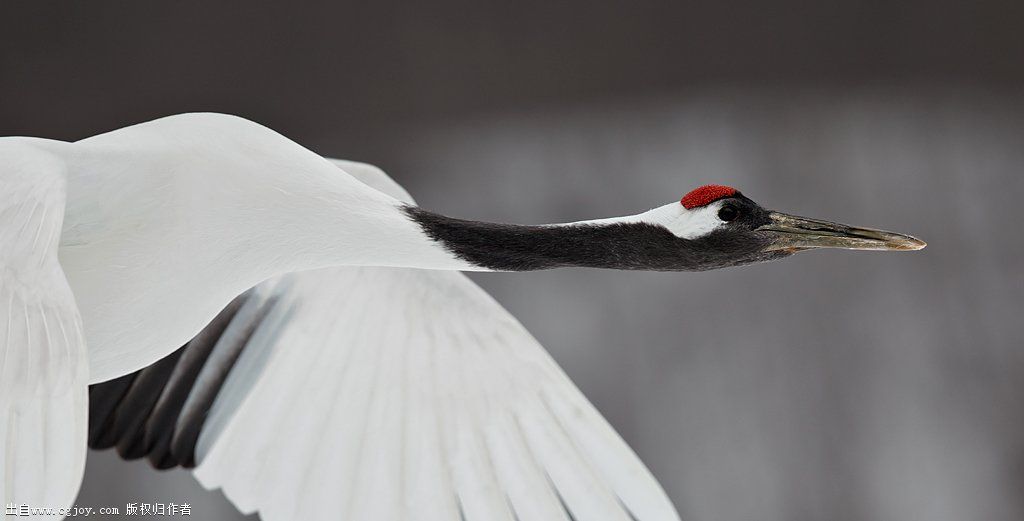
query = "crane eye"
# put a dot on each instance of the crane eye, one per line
(728, 213)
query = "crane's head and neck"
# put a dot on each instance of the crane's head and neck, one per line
(711, 227)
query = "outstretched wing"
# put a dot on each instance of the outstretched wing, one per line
(43, 371)
(377, 393)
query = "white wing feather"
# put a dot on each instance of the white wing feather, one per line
(43, 367)
(386, 394)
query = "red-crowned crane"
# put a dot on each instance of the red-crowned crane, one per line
(362, 376)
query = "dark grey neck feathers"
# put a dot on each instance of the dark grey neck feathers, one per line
(625, 246)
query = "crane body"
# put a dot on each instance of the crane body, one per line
(123, 260)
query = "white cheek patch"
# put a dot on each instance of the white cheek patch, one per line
(686, 224)
(683, 223)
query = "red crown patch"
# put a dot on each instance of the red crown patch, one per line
(706, 195)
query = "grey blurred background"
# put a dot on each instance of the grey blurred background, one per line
(832, 386)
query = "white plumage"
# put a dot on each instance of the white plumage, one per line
(371, 390)
(43, 370)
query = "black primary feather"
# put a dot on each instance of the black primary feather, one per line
(159, 411)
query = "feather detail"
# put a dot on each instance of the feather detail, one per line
(43, 367)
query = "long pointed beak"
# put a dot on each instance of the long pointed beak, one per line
(799, 233)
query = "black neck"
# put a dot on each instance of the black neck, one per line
(625, 246)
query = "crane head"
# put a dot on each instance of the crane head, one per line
(741, 231)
